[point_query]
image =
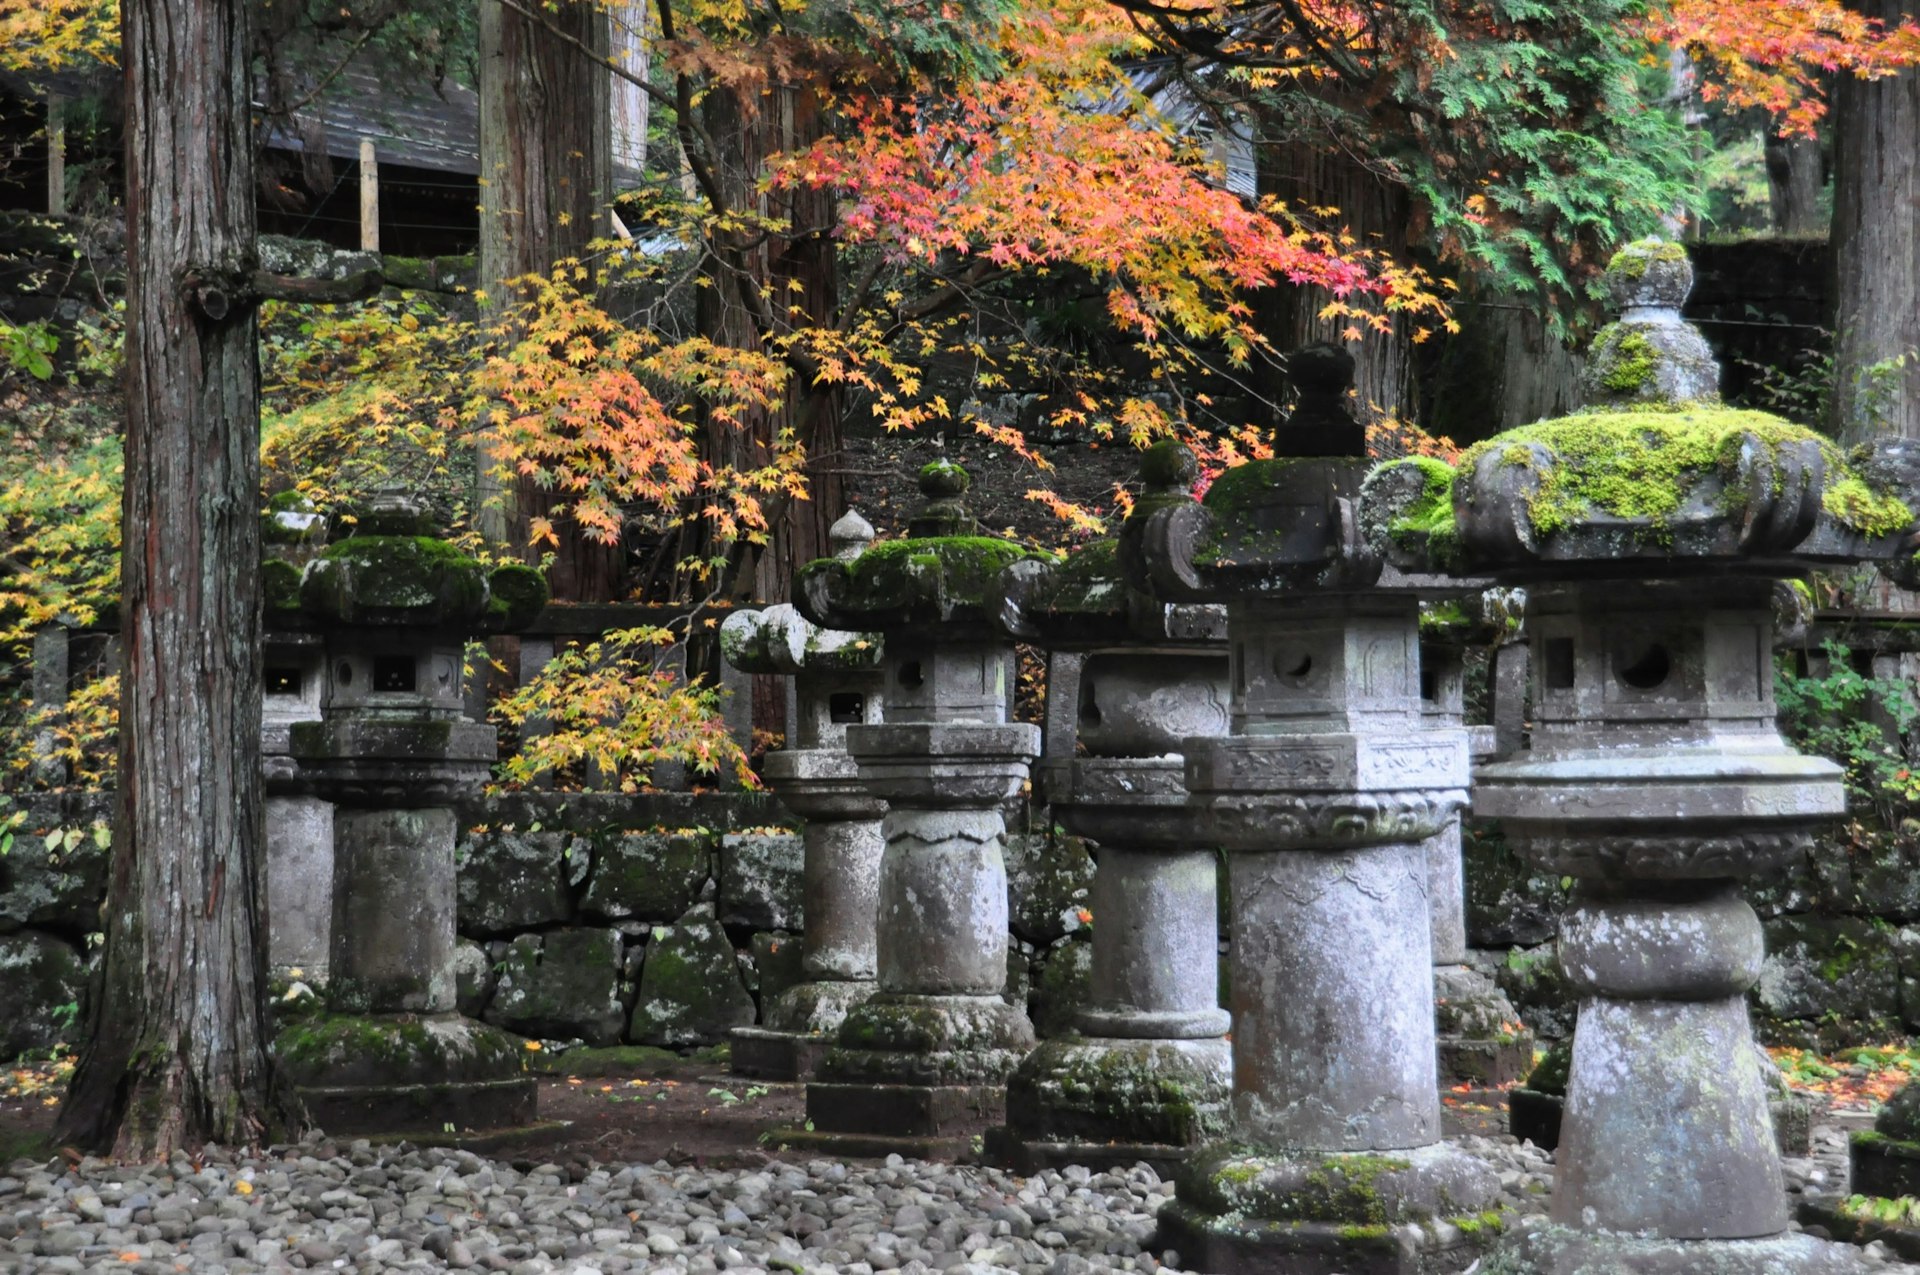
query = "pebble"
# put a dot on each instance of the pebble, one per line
(323, 1207)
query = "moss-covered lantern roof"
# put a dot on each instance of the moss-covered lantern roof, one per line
(944, 571)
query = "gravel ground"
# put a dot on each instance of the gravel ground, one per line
(324, 1207)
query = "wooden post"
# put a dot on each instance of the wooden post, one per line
(369, 197)
(56, 154)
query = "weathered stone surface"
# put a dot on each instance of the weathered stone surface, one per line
(561, 984)
(393, 910)
(647, 876)
(42, 979)
(299, 884)
(690, 989)
(1049, 880)
(762, 879)
(1061, 990)
(473, 978)
(515, 878)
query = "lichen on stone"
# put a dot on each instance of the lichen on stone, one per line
(1623, 360)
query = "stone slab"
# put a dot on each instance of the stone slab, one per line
(774, 1055)
(1252, 1247)
(474, 1104)
(909, 1111)
(1560, 1250)
(1028, 1156)
(1488, 1064)
(1884, 1166)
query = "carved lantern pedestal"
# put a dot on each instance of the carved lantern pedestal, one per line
(921, 1066)
(393, 753)
(1148, 1075)
(1322, 795)
(1649, 542)
(836, 684)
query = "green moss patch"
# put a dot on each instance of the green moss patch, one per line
(968, 564)
(365, 576)
(1628, 361)
(1642, 465)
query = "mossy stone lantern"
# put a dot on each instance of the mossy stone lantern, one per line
(1148, 1077)
(395, 605)
(1321, 794)
(921, 1065)
(837, 683)
(1649, 542)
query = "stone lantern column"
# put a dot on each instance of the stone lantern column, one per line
(1149, 1075)
(922, 1065)
(837, 683)
(1481, 1041)
(1322, 794)
(393, 752)
(1649, 542)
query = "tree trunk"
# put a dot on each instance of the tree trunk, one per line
(177, 1049)
(791, 280)
(1876, 250)
(1376, 212)
(546, 168)
(1795, 175)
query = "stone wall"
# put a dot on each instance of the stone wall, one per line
(1842, 930)
(665, 919)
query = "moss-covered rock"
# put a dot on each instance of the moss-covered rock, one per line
(1550, 1075)
(1825, 971)
(42, 980)
(1049, 881)
(1062, 989)
(516, 593)
(690, 989)
(279, 587)
(517, 879)
(760, 880)
(473, 978)
(777, 957)
(561, 985)
(647, 876)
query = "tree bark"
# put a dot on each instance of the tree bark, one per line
(1376, 212)
(546, 166)
(1795, 175)
(176, 1054)
(1876, 249)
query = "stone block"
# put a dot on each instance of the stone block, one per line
(40, 978)
(646, 876)
(561, 985)
(776, 964)
(761, 880)
(473, 978)
(299, 884)
(1062, 988)
(1829, 968)
(690, 989)
(516, 878)
(1049, 879)
(1886, 876)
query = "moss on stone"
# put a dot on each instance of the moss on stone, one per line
(1632, 260)
(1625, 360)
(394, 1049)
(516, 594)
(279, 586)
(364, 576)
(1426, 523)
(1550, 1074)
(967, 564)
(1642, 465)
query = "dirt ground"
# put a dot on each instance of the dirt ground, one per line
(682, 1110)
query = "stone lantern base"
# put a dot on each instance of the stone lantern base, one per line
(429, 1077)
(1105, 1102)
(1559, 1250)
(800, 1030)
(1376, 1213)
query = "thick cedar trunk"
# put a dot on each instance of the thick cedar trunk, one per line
(177, 1048)
(791, 278)
(1795, 174)
(546, 169)
(1876, 249)
(1376, 212)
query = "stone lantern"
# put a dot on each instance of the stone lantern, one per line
(1322, 795)
(1649, 542)
(1149, 1075)
(922, 1064)
(393, 752)
(836, 684)
(1481, 1041)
